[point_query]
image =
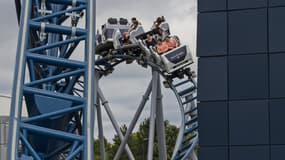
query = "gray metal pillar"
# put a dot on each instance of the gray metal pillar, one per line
(19, 74)
(99, 119)
(3, 136)
(152, 114)
(89, 81)
(134, 121)
(160, 129)
(100, 129)
(114, 122)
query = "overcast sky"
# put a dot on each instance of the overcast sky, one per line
(125, 87)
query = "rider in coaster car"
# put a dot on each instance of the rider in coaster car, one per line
(157, 23)
(135, 24)
(150, 41)
(164, 46)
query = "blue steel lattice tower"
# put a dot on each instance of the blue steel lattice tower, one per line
(59, 92)
(241, 79)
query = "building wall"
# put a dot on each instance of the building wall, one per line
(3, 137)
(241, 79)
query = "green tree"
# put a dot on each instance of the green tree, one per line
(138, 142)
(108, 148)
(133, 143)
(171, 132)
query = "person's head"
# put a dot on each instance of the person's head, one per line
(159, 20)
(134, 20)
(148, 37)
(162, 19)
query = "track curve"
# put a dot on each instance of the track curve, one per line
(185, 93)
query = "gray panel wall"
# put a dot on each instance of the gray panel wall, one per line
(241, 79)
(3, 137)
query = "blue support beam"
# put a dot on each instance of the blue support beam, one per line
(59, 122)
(53, 28)
(55, 61)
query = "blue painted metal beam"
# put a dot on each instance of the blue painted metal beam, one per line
(56, 61)
(49, 16)
(52, 133)
(52, 114)
(54, 78)
(30, 90)
(57, 29)
(58, 44)
(68, 2)
(30, 148)
(53, 130)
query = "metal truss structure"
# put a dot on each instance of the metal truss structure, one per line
(60, 92)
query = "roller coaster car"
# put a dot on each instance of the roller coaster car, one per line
(177, 58)
(174, 59)
(109, 29)
(113, 25)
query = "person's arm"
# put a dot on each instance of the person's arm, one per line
(132, 28)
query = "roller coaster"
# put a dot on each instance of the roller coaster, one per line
(62, 92)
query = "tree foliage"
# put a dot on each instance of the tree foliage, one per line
(138, 142)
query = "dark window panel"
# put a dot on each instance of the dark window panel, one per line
(212, 77)
(242, 4)
(276, 2)
(248, 77)
(277, 118)
(250, 153)
(249, 122)
(212, 40)
(277, 75)
(248, 31)
(211, 5)
(277, 152)
(276, 29)
(213, 153)
(213, 123)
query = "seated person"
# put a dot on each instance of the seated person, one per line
(135, 24)
(161, 47)
(171, 42)
(160, 27)
(156, 29)
(166, 45)
(150, 41)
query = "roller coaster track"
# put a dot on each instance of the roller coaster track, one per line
(60, 92)
(185, 92)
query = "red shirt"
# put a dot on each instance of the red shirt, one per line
(166, 45)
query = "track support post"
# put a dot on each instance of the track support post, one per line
(156, 119)
(160, 128)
